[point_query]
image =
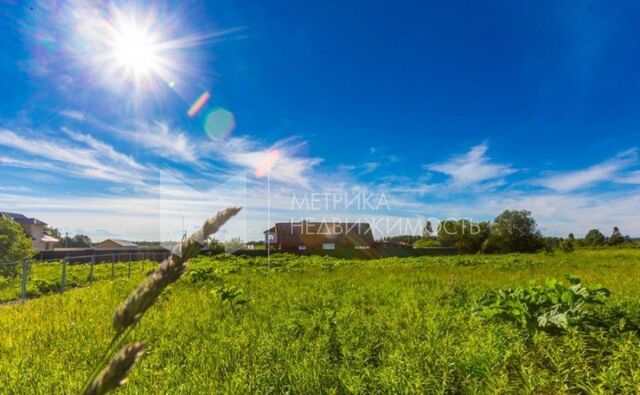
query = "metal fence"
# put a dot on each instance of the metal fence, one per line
(30, 278)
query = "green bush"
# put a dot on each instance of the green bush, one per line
(551, 307)
(426, 243)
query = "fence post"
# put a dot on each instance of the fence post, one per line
(93, 261)
(25, 273)
(129, 272)
(113, 266)
(63, 280)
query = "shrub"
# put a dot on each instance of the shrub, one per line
(426, 243)
(201, 274)
(553, 307)
(232, 295)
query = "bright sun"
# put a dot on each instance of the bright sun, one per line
(134, 49)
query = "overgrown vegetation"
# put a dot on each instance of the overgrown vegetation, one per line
(113, 367)
(551, 307)
(314, 324)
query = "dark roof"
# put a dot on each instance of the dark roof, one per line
(21, 219)
(122, 243)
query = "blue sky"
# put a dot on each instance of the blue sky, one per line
(447, 109)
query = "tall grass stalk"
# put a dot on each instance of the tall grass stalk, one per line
(106, 377)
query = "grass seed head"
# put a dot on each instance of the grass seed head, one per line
(170, 270)
(116, 373)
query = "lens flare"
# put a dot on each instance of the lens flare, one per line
(267, 164)
(197, 106)
(220, 123)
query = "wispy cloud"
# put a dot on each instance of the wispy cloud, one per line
(162, 140)
(17, 188)
(73, 114)
(81, 162)
(103, 149)
(472, 168)
(360, 170)
(574, 180)
(26, 164)
(289, 167)
(204, 154)
(630, 178)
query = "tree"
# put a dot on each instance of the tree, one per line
(514, 231)
(594, 238)
(233, 245)
(15, 245)
(77, 241)
(427, 231)
(550, 243)
(53, 232)
(215, 246)
(463, 234)
(616, 237)
(568, 244)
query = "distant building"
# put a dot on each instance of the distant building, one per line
(116, 244)
(34, 228)
(319, 235)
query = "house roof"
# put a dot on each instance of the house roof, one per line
(121, 243)
(21, 219)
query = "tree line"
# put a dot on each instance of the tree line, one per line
(511, 231)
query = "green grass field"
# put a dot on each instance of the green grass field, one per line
(311, 324)
(45, 278)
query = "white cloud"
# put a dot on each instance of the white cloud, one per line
(73, 114)
(369, 167)
(81, 162)
(103, 149)
(203, 154)
(474, 167)
(26, 164)
(287, 165)
(605, 171)
(360, 170)
(630, 178)
(18, 188)
(162, 140)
